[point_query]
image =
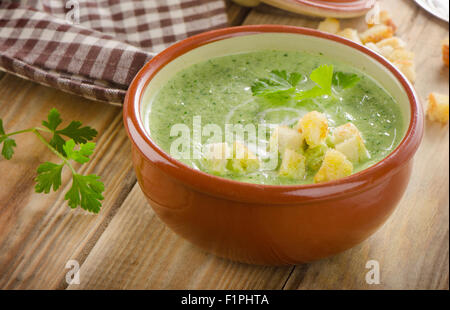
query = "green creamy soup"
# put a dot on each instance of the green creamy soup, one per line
(220, 92)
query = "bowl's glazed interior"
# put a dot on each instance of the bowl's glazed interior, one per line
(284, 42)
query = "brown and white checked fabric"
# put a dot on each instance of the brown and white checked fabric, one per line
(97, 52)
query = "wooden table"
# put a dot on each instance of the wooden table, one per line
(126, 246)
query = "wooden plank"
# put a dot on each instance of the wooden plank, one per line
(236, 13)
(412, 247)
(137, 251)
(40, 233)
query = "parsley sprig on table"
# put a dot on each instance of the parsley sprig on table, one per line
(324, 78)
(86, 190)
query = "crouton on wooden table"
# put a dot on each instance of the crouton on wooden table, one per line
(351, 34)
(438, 107)
(330, 25)
(376, 33)
(384, 18)
(445, 51)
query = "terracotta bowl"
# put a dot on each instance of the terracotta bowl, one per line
(263, 224)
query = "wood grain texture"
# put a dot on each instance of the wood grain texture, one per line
(40, 233)
(236, 14)
(126, 246)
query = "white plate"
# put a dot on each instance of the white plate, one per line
(438, 8)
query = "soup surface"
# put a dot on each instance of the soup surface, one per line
(220, 92)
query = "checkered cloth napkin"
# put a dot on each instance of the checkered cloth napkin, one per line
(94, 48)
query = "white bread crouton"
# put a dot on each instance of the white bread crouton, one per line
(348, 140)
(373, 47)
(345, 132)
(351, 34)
(401, 54)
(438, 107)
(284, 137)
(314, 128)
(216, 157)
(330, 25)
(404, 61)
(376, 33)
(334, 166)
(386, 47)
(354, 149)
(384, 18)
(292, 165)
(386, 51)
(243, 159)
(393, 42)
(407, 67)
(445, 51)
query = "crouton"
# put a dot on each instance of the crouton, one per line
(376, 33)
(292, 165)
(384, 18)
(314, 128)
(334, 166)
(243, 159)
(351, 34)
(386, 51)
(354, 149)
(348, 140)
(372, 46)
(407, 67)
(216, 157)
(345, 132)
(330, 25)
(393, 42)
(404, 61)
(314, 156)
(438, 107)
(445, 51)
(284, 137)
(401, 54)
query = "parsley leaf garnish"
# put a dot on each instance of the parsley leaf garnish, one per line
(86, 190)
(323, 78)
(344, 80)
(73, 130)
(279, 82)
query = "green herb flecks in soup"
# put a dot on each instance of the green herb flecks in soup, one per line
(351, 122)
